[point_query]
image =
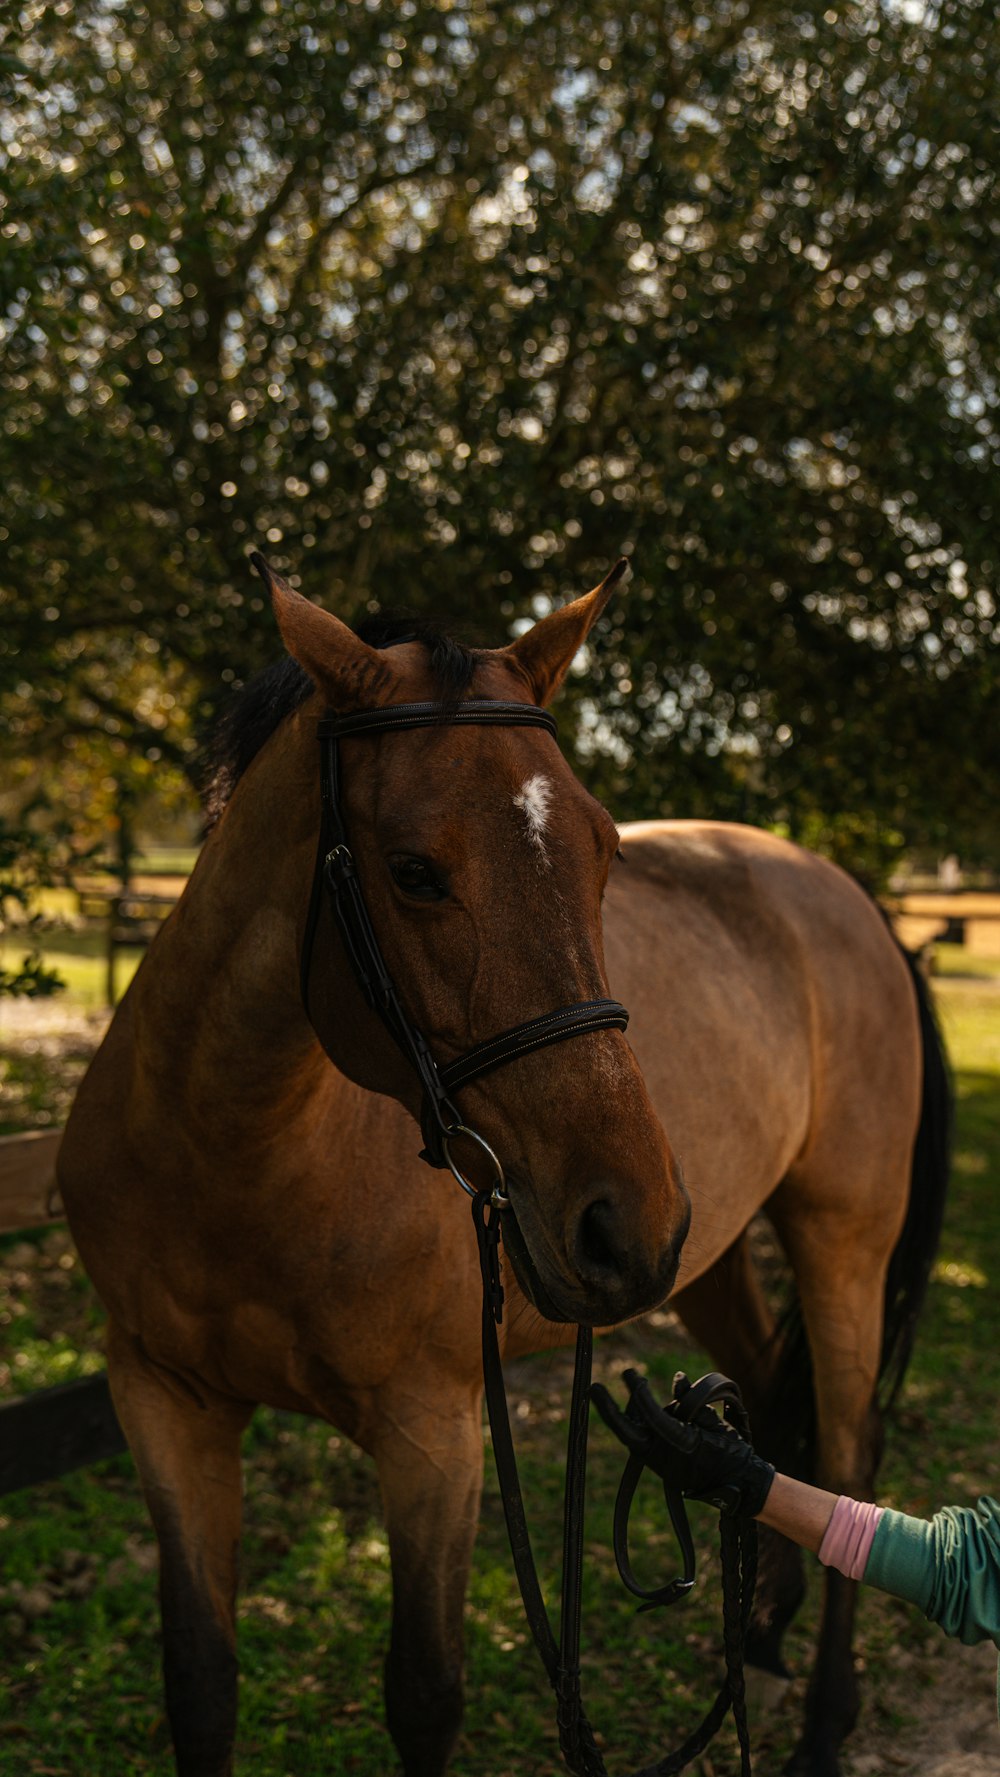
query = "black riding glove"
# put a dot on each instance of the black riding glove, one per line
(694, 1454)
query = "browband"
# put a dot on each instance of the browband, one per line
(481, 712)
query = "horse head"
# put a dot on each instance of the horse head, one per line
(483, 862)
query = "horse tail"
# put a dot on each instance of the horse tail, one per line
(914, 1252)
(792, 1443)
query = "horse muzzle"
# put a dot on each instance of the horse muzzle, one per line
(606, 1272)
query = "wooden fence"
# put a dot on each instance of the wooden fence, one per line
(967, 918)
(46, 1434)
(131, 916)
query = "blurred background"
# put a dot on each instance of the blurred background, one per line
(445, 306)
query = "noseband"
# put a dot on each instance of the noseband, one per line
(336, 874)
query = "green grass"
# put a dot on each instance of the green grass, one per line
(165, 860)
(77, 951)
(84, 1697)
(79, 961)
(161, 860)
(79, 958)
(952, 960)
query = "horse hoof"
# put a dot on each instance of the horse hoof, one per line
(762, 1652)
(770, 1665)
(813, 1761)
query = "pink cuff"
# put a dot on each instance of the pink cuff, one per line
(849, 1536)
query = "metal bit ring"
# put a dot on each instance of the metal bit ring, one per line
(498, 1195)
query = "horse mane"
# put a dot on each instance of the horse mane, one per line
(255, 711)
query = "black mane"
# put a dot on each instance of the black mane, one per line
(254, 712)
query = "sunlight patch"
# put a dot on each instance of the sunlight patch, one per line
(961, 1277)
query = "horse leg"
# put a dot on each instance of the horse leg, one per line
(186, 1445)
(727, 1312)
(429, 1453)
(839, 1262)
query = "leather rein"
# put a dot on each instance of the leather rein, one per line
(336, 877)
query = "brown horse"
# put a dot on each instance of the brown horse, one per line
(260, 1229)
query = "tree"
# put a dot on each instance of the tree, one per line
(454, 301)
(26, 865)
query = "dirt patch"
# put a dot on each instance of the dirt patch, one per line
(947, 1699)
(935, 1714)
(45, 1047)
(50, 1020)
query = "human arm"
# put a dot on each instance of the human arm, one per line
(800, 1512)
(948, 1565)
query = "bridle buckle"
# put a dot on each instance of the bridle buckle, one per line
(340, 866)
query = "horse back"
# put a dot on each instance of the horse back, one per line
(772, 1012)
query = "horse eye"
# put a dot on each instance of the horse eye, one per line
(416, 877)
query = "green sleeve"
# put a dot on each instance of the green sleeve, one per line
(948, 1565)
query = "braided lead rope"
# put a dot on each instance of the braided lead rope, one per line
(739, 1580)
(561, 1661)
(576, 1736)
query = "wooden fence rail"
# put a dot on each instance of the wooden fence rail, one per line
(131, 916)
(29, 1195)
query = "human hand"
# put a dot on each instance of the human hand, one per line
(693, 1451)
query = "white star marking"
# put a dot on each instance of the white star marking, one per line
(535, 800)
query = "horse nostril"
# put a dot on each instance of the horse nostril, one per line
(597, 1255)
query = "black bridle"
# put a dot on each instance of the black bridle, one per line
(441, 1122)
(336, 873)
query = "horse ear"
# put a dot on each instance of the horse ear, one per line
(352, 674)
(544, 653)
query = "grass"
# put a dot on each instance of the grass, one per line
(79, 958)
(165, 860)
(77, 951)
(953, 960)
(78, 1615)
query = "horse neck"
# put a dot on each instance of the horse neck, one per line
(220, 991)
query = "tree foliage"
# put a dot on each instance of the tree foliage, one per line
(28, 862)
(446, 303)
